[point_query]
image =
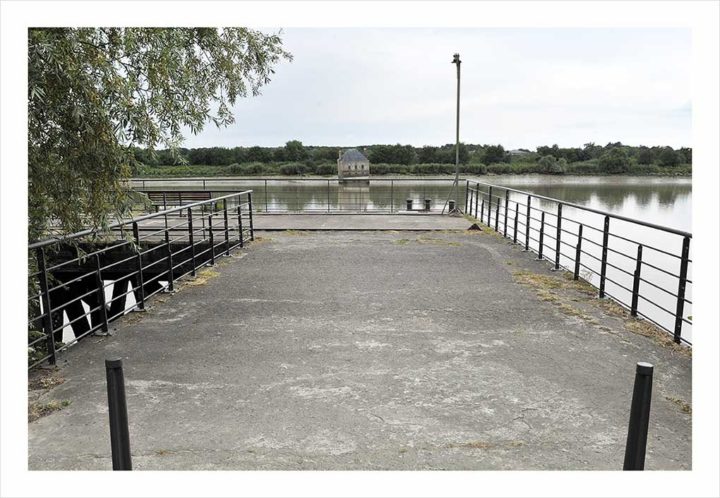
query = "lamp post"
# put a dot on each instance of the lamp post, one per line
(456, 184)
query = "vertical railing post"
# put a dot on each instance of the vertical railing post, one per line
(139, 266)
(489, 206)
(477, 198)
(682, 283)
(507, 205)
(266, 198)
(250, 216)
(497, 214)
(558, 236)
(101, 294)
(467, 192)
(527, 225)
(227, 228)
(328, 196)
(639, 418)
(515, 223)
(47, 307)
(392, 196)
(212, 239)
(482, 210)
(169, 256)
(240, 227)
(578, 253)
(636, 281)
(603, 264)
(117, 408)
(542, 235)
(191, 239)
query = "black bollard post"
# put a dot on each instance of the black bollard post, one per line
(639, 418)
(408, 204)
(117, 406)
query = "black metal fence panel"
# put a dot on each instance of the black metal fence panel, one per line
(85, 280)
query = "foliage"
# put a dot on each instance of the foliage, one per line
(615, 161)
(95, 93)
(495, 154)
(549, 165)
(668, 157)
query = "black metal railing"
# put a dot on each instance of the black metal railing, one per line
(71, 276)
(321, 195)
(643, 266)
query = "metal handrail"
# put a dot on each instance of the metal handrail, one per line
(234, 227)
(90, 231)
(593, 210)
(543, 227)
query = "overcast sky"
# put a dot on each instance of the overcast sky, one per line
(520, 88)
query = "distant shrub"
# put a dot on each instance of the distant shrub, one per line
(294, 169)
(474, 169)
(614, 161)
(551, 166)
(246, 169)
(499, 169)
(325, 169)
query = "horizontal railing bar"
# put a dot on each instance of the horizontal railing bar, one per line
(41, 338)
(83, 233)
(85, 315)
(660, 269)
(671, 313)
(596, 211)
(76, 279)
(658, 287)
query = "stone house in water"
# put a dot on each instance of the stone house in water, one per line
(352, 164)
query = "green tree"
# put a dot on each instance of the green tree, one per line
(645, 156)
(294, 151)
(614, 160)
(495, 154)
(668, 157)
(548, 164)
(686, 155)
(94, 93)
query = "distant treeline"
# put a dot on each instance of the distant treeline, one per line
(295, 158)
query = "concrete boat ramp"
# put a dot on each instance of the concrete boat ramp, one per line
(370, 350)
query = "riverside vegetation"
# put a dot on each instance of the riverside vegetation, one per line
(296, 159)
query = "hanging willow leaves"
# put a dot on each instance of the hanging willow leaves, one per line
(94, 93)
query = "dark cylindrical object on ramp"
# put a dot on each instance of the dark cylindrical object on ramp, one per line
(639, 418)
(117, 407)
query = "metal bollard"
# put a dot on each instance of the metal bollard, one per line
(451, 205)
(117, 407)
(639, 418)
(427, 204)
(408, 204)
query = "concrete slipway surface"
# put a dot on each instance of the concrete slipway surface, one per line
(371, 350)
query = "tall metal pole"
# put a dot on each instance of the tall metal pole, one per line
(456, 60)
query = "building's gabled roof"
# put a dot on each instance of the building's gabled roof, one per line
(352, 155)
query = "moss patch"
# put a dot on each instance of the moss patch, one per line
(38, 410)
(45, 382)
(536, 280)
(548, 289)
(684, 407)
(437, 242)
(202, 277)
